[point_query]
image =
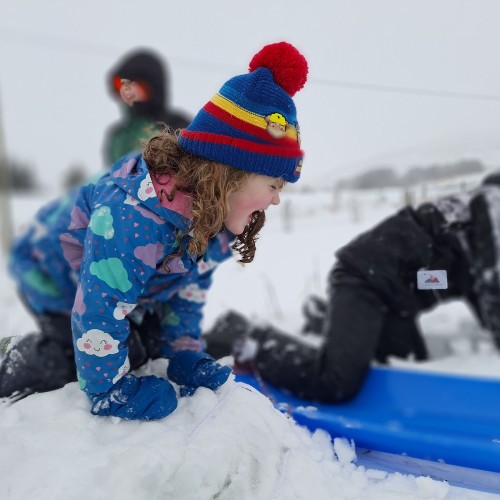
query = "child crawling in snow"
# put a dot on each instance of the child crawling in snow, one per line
(380, 283)
(117, 271)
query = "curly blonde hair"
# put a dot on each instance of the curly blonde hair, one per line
(210, 184)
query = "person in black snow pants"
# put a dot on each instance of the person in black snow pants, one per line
(381, 281)
(140, 83)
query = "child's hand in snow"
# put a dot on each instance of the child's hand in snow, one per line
(136, 398)
(192, 369)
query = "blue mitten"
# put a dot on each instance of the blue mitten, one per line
(192, 369)
(136, 398)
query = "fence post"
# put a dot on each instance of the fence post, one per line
(407, 197)
(5, 215)
(355, 211)
(336, 198)
(423, 192)
(287, 216)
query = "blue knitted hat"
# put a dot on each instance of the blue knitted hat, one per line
(251, 123)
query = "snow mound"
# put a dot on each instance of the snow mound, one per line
(225, 445)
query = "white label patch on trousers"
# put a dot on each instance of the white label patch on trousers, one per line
(432, 280)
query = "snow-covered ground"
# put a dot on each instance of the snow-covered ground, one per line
(231, 444)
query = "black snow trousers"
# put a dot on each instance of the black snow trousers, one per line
(358, 328)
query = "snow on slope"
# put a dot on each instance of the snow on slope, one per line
(231, 444)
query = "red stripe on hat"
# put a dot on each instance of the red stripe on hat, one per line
(246, 127)
(244, 144)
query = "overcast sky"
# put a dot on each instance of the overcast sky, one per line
(391, 81)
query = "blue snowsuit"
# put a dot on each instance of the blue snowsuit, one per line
(98, 253)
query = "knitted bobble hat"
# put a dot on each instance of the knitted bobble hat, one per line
(251, 123)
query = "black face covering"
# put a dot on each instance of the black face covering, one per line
(147, 69)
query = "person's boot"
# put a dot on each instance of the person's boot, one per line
(38, 362)
(5, 344)
(246, 348)
(35, 363)
(228, 329)
(314, 310)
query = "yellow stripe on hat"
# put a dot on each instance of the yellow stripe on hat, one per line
(239, 112)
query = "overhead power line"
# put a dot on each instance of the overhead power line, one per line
(52, 42)
(404, 90)
(63, 44)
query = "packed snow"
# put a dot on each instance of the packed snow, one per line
(232, 443)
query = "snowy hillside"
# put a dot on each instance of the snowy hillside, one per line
(484, 147)
(231, 444)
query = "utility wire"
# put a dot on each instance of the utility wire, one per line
(404, 90)
(62, 44)
(52, 42)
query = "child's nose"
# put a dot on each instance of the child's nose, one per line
(276, 198)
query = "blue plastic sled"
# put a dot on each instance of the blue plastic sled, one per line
(443, 418)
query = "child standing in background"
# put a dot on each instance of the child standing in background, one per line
(142, 244)
(140, 81)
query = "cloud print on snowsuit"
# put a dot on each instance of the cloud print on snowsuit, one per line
(148, 253)
(146, 189)
(72, 250)
(123, 370)
(79, 306)
(130, 200)
(125, 168)
(193, 293)
(101, 223)
(79, 219)
(97, 343)
(148, 214)
(122, 309)
(112, 272)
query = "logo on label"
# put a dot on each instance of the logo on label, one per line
(432, 280)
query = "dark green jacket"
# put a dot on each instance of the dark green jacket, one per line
(143, 119)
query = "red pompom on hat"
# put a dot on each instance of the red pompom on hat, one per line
(251, 123)
(288, 66)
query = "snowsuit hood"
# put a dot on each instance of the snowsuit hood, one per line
(142, 119)
(132, 175)
(145, 66)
